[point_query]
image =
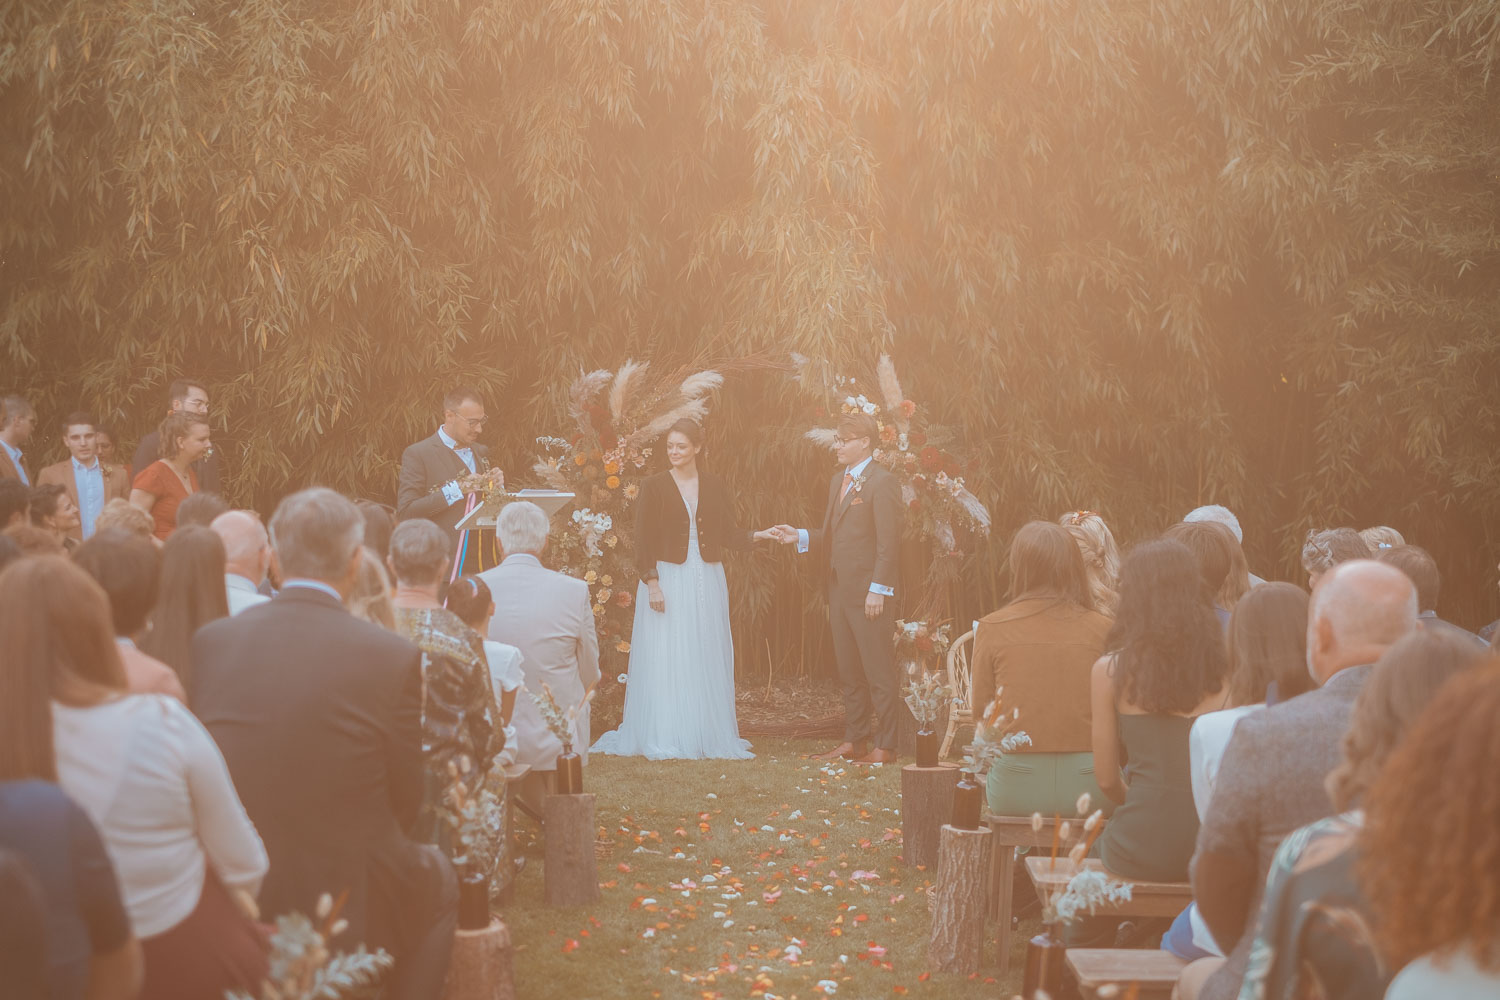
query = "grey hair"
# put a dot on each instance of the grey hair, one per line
(419, 551)
(1382, 537)
(1326, 549)
(1365, 601)
(243, 534)
(315, 534)
(522, 527)
(13, 407)
(1219, 514)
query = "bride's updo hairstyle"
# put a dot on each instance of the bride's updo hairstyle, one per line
(688, 428)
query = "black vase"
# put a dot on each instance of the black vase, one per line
(968, 799)
(473, 902)
(1044, 963)
(569, 772)
(927, 748)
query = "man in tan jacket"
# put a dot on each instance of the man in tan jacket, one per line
(89, 481)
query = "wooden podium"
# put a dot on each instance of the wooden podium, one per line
(478, 549)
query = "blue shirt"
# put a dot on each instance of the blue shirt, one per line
(15, 456)
(90, 482)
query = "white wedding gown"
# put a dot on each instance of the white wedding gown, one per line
(679, 696)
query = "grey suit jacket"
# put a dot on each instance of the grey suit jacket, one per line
(1271, 783)
(549, 617)
(430, 463)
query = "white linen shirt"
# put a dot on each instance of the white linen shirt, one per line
(242, 593)
(153, 781)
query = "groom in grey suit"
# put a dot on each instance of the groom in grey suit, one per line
(549, 617)
(857, 551)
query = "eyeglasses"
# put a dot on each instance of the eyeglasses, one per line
(844, 440)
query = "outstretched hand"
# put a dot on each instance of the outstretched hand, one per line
(783, 533)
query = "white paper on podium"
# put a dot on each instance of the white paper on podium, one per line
(483, 515)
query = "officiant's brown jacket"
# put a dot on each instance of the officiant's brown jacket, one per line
(1041, 650)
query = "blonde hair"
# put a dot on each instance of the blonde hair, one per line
(1101, 557)
(1382, 537)
(122, 515)
(370, 599)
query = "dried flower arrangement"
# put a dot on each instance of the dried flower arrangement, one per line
(1088, 889)
(303, 969)
(559, 721)
(995, 736)
(927, 696)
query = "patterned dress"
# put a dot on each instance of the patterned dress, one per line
(1313, 940)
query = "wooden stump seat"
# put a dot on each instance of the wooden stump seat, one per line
(1147, 899)
(1151, 972)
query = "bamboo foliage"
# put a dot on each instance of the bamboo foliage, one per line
(1142, 254)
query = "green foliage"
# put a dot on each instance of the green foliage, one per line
(1141, 254)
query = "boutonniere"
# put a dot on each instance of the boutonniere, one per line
(859, 481)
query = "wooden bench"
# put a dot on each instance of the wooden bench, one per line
(1147, 899)
(1006, 834)
(1152, 973)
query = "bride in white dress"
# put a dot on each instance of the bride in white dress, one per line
(679, 696)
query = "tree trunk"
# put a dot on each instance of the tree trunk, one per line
(570, 870)
(926, 802)
(481, 965)
(957, 935)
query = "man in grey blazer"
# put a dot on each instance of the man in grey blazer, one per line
(549, 617)
(1271, 779)
(440, 472)
(858, 550)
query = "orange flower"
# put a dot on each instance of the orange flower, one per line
(580, 458)
(611, 467)
(613, 482)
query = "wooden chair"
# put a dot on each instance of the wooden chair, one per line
(1147, 899)
(1006, 834)
(961, 683)
(1150, 971)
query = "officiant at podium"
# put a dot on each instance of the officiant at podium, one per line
(444, 476)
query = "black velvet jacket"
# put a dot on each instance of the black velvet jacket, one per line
(661, 523)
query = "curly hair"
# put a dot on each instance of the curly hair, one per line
(1428, 842)
(1101, 556)
(1169, 645)
(1401, 685)
(1268, 644)
(1325, 549)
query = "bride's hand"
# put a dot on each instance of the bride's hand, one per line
(657, 600)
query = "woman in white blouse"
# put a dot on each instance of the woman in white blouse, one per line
(148, 775)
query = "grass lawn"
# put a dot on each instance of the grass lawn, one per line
(775, 878)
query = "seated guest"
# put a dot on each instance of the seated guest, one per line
(1101, 557)
(1314, 936)
(161, 487)
(370, 600)
(1219, 514)
(1214, 547)
(332, 801)
(54, 512)
(121, 515)
(15, 503)
(1267, 664)
(469, 598)
(128, 567)
(144, 770)
(1429, 849)
(1271, 778)
(1381, 537)
(379, 523)
(247, 557)
(190, 595)
(82, 933)
(1325, 549)
(90, 482)
(34, 541)
(201, 509)
(549, 617)
(1417, 563)
(1166, 669)
(458, 713)
(1040, 648)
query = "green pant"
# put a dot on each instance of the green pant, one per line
(1049, 783)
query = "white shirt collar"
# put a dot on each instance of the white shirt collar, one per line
(854, 471)
(236, 582)
(447, 439)
(317, 585)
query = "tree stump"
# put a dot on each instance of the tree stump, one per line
(570, 871)
(956, 939)
(481, 965)
(926, 804)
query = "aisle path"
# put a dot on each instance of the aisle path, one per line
(775, 878)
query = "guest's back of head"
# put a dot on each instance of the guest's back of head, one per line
(1402, 684)
(1101, 556)
(420, 553)
(128, 568)
(1420, 568)
(1268, 644)
(317, 535)
(522, 528)
(1169, 645)
(1359, 609)
(1212, 544)
(1329, 547)
(34, 541)
(1218, 514)
(1381, 537)
(200, 509)
(370, 600)
(379, 523)
(122, 515)
(191, 595)
(469, 598)
(1046, 562)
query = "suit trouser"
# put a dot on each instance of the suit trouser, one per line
(417, 892)
(866, 659)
